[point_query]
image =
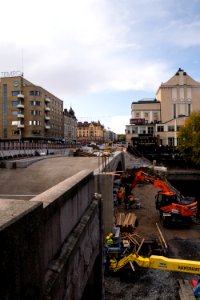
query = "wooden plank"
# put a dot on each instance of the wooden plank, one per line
(186, 290)
(140, 246)
(161, 236)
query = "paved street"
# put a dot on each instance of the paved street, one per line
(27, 182)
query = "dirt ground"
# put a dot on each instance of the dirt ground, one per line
(183, 243)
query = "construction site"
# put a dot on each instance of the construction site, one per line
(154, 251)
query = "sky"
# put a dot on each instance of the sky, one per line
(99, 56)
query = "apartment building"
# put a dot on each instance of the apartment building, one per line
(90, 132)
(70, 126)
(161, 119)
(28, 111)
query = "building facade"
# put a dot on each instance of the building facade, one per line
(70, 126)
(162, 118)
(29, 112)
(145, 114)
(90, 132)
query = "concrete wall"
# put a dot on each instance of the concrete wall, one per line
(51, 246)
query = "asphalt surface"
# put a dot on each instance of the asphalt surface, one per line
(25, 183)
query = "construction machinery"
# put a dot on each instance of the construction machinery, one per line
(156, 262)
(173, 207)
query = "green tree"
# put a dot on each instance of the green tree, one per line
(189, 139)
(121, 138)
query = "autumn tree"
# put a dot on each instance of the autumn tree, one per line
(189, 139)
(121, 138)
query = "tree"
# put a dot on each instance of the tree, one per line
(121, 138)
(189, 139)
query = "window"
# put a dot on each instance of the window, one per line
(34, 122)
(160, 128)
(170, 141)
(150, 130)
(135, 130)
(15, 93)
(14, 112)
(189, 109)
(15, 103)
(15, 132)
(170, 128)
(35, 93)
(155, 114)
(35, 112)
(174, 111)
(14, 123)
(34, 103)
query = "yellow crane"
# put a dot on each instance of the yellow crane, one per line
(157, 262)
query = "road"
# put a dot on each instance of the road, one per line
(25, 183)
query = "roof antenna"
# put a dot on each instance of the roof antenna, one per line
(22, 61)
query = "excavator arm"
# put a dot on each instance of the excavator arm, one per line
(157, 262)
(141, 177)
(168, 202)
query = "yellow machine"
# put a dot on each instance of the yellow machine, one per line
(157, 262)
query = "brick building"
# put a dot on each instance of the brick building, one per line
(28, 112)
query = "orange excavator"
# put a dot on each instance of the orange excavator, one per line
(173, 207)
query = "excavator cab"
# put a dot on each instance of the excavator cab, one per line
(165, 199)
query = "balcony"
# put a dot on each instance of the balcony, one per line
(20, 115)
(20, 125)
(20, 96)
(47, 127)
(20, 105)
(47, 108)
(47, 99)
(47, 118)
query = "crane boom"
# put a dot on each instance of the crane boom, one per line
(157, 262)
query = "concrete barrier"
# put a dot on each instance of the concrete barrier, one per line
(49, 244)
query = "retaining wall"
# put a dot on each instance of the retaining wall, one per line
(51, 245)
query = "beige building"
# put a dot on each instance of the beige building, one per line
(90, 132)
(145, 114)
(162, 118)
(70, 126)
(29, 112)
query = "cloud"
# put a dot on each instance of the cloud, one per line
(116, 123)
(95, 48)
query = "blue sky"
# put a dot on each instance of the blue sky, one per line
(99, 56)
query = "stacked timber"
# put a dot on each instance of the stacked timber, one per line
(126, 221)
